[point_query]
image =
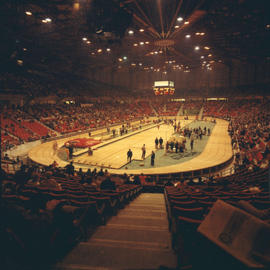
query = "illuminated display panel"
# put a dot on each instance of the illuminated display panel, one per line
(163, 83)
(163, 88)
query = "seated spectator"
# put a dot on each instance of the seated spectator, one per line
(107, 184)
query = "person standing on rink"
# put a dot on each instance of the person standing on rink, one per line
(153, 158)
(143, 151)
(156, 142)
(129, 155)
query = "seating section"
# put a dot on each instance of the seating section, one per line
(56, 211)
(36, 128)
(192, 107)
(189, 203)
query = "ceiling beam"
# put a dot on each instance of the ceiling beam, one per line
(143, 13)
(161, 18)
(193, 18)
(152, 31)
(174, 17)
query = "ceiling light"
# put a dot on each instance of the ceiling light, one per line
(135, 44)
(99, 50)
(76, 6)
(20, 62)
(133, 64)
(125, 58)
(131, 32)
(188, 36)
(197, 34)
(176, 26)
(141, 30)
(202, 34)
(48, 19)
(179, 19)
(88, 42)
(207, 48)
(84, 38)
(140, 64)
(120, 59)
(186, 22)
(209, 55)
(108, 49)
(141, 43)
(202, 57)
(29, 13)
(25, 49)
(156, 52)
(160, 51)
(146, 42)
(196, 48)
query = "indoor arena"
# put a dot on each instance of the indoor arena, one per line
(135, 135)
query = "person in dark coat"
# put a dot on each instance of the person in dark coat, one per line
(160, 142)
(129, 155)
(156, 142)
(153, 158)
(70, 169)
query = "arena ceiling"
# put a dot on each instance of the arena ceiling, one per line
(151, 35)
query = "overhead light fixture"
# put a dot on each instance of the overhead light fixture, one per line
(28, 13)
(88, 42)
(84, 38)
(120, 59)
(99, 31)
(47, 20)
(135, 44)
(108, 49)
(197, 34)
(188, 36)
(141, 30)
(140, 64)
(206, 48)
(141, 43)
(196, 48)
(131, 32)
(202, 34)
(176, 26)
(202, 57)
(180, 19)
(125, 58)
(20, 62)
(186, 22)
(99, 50)
(146, 42)
(209, 55)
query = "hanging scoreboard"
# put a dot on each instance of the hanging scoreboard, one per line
(162, 88)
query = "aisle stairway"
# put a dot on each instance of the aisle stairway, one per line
(137, 238)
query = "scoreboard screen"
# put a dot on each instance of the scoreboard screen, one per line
(163, 88)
